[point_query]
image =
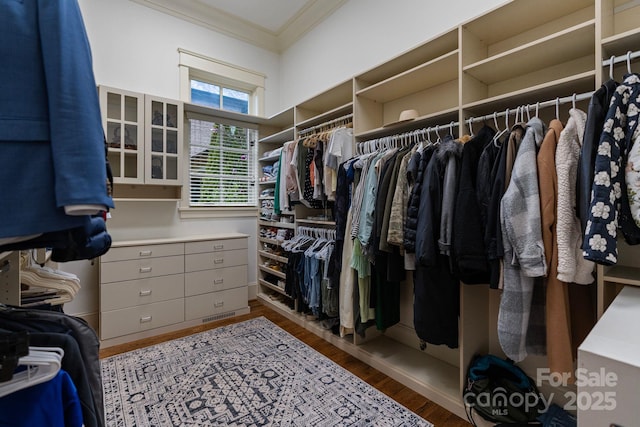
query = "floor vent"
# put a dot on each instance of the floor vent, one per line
(218, 317)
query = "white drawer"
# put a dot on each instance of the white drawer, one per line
(216, 302)
(211, 260)
(215, 245)
(116, 323)
(130, 293)
(141, 268)
(141, 252)
(201, 282)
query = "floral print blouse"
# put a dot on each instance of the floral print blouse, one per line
(617, 166)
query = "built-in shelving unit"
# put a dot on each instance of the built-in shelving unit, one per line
(274, 132)
(516, 54)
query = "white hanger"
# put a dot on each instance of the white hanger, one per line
(629, 62)
(470, 121)
(613, 57)
(42, 363)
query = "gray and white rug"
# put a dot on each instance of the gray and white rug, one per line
(247, 374)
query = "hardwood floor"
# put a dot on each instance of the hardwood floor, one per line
(392, 388)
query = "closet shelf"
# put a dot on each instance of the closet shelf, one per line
(142, 199)
(279, 137)
(269, 158)
(271, 181)
(432, 73)
(277, 224)
(579, 83)
(272, 271)
(266, 198)
(620, 44)
(564, 46)
(502, 23)
(438, 46)
(622, 274)
(315, 221)
(430, 376)
(440, 118)
(326, 116)
(269, 241)
(274, 257)
(273, 287)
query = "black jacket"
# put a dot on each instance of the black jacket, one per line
(436, 290)
(415, 170)
(469, 250)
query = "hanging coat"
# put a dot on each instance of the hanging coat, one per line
(436, 290)
(521, 329)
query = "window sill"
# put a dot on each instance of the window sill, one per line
(218, 212)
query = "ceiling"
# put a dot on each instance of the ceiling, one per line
(270, 24)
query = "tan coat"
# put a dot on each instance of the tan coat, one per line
(558, 320)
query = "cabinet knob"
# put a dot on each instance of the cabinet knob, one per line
(218, 304)
(145, 253)
(145, 269)
(145, 292)
(218, 246)
(145, 319)
(218, 260)
(218, 281)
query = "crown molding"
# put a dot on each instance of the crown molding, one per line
(313, 13)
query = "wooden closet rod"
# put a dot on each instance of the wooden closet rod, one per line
(533, 107)
(346, 118)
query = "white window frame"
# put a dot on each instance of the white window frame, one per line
(201, 67)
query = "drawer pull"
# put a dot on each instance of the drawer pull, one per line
(218, 246)
(145, 292)
(218, 281)
(145, 319)
(145, 253)
(218, 304)
(218, 260)
(145, 269)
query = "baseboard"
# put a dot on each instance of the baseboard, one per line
(253, 291)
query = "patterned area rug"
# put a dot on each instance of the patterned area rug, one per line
(247, 374)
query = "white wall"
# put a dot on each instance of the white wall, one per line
(363, 34)
(136, 48)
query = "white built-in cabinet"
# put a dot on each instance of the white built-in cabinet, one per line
(518, 54)
(144, 136)
(149, 287)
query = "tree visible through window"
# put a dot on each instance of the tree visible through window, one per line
(222, 164)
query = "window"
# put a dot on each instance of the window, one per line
(222, 164)
(222, 154)
(208, 81)
(215, 96)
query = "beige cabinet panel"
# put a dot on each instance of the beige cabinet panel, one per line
(214, 246)
(214, 303)
(141, 318)
(141, 268)
(130, 293)
(201, 282)
(126, 253)
(207, 261)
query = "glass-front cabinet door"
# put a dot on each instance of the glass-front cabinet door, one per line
(122, 122)
(163, 141)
